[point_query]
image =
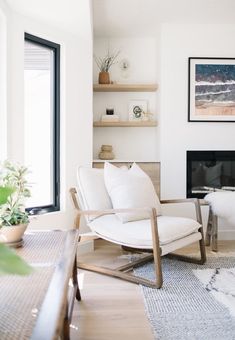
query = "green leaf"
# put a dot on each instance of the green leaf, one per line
(5, 192)
(11, 263)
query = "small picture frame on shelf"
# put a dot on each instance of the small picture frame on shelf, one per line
(137, 109)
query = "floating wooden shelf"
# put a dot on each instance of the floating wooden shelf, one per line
(125, 161)
(125, 124)
(125, 87)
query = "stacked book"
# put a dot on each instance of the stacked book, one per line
(110, 118)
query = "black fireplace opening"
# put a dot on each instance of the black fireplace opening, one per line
(209, 171)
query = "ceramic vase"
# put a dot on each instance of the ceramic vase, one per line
(106, 152)
(104, 78)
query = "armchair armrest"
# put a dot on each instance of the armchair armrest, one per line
(181, 200)
(114, 211)
(195, 201)
(152, 211)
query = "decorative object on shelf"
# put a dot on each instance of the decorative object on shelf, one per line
(104, 78)
(124, 65)
(13, 217)
(147, 117)
(109, 111)
(106, 152)
(110, 118)
(211, 90)
(137, 108)
(104, 65)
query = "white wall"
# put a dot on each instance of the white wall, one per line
(76, 102)
(178, 42)
(128, 143)
(4, 14)
(163, 61)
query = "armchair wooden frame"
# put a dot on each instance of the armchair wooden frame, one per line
(122, 272)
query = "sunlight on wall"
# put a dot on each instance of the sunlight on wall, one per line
(3, 85)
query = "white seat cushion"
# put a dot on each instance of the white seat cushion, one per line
(130, 189)
(137, 234)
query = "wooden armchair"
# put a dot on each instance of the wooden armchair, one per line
(155, 237)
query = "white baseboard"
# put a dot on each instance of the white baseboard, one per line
(227, 235)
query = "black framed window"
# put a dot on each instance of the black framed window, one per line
(42, 122)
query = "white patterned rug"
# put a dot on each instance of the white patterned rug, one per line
(195, 303)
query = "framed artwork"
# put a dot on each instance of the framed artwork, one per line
(137, 109)
(211, 93)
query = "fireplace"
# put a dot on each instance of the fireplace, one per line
(209, 171)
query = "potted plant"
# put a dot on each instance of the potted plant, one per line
(10, 262)
(13, 217)
(104, 65)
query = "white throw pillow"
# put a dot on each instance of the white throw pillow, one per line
(130, 189)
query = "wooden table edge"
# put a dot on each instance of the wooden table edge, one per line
(53, 318)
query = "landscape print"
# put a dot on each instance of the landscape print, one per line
(215, 89)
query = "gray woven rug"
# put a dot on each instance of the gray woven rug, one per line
(195, 303)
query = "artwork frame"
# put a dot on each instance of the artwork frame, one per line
(211, 89)
(137, 109)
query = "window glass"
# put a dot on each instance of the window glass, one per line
(41, 128)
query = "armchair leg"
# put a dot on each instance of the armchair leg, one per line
(214, 237)
(158, 270)
(202, 249)
(156, 249)
(209, 228)
(122, 272)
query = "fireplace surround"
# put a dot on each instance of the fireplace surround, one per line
(209, 171)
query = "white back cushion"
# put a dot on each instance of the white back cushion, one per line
(130, 189)
(94, 195)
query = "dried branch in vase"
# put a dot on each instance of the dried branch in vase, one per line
(106, 62)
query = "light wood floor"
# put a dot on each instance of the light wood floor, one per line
(112, 309)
